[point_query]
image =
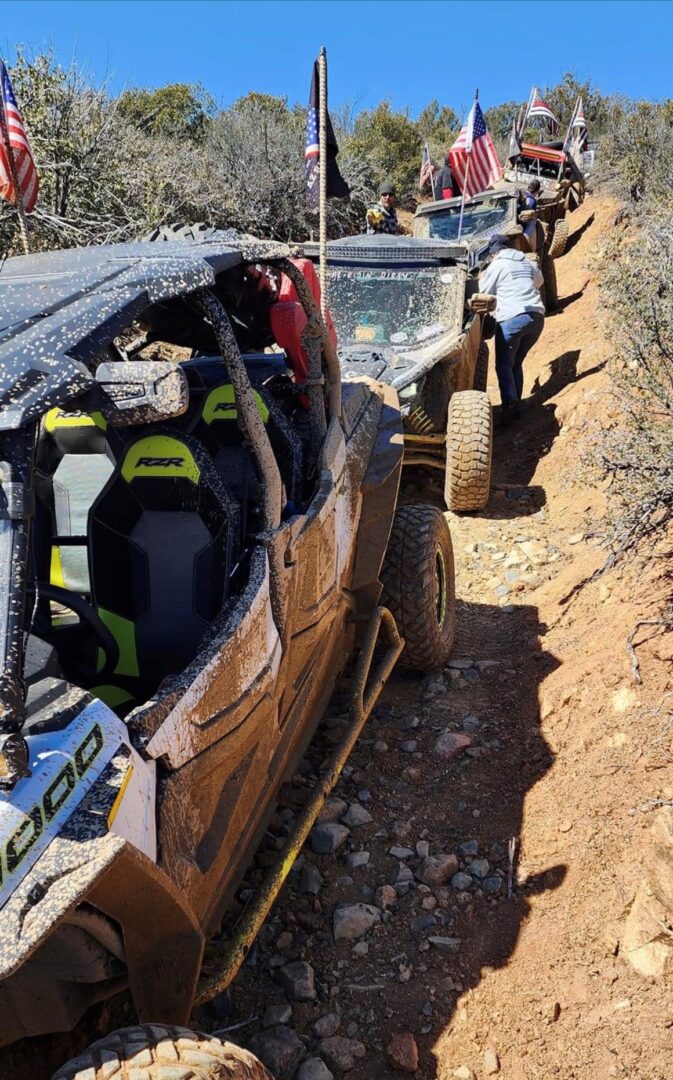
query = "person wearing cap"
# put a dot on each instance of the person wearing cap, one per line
(531, 196)
(515, 281)
(382, 218)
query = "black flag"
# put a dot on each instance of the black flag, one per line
(337, 188)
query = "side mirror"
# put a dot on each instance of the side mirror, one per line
(141, 391)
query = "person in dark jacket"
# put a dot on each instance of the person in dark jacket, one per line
(531, 196)
(444, 183)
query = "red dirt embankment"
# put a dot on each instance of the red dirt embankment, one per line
(567, 750)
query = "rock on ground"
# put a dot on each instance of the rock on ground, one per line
(313, 1069)
(327, 1025)
(351, 921)
(281, 1050)
(437, 869)
(298, 979)
(402, 1052)
(491, 1063)
(277, 1014)
(341, 1053)
(328, 838)
(450, 744)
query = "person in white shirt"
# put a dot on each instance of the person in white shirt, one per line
(515, 281)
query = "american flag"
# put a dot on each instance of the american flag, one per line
(426, 170)
(13, 132)
(474, 159)
(337, 188)
(540, 108)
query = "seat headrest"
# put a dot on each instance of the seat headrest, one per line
(220, 404)
(159, 457)
(76, 432)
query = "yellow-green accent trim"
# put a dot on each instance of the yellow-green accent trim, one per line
(56, 567)
(122, 791)
(221, 405)
(112, 696)
(161, 456)
(124, 634)
(56, 418)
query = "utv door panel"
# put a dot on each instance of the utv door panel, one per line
(237, 673)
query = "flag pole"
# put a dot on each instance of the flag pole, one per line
(432, 179)
(322, 142)
(23, 221)
(467, 167)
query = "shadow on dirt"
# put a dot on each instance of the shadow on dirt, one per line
(480, 797)
(519, 448)
(576, 236)
(435, 943)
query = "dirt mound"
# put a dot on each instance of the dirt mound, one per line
(535, 741)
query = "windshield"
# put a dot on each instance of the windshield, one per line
(395, 307)
(487, 216)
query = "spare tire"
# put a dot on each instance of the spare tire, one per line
(559, 239)
(419, 586)
(199, 231)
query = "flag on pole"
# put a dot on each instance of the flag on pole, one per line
(337, 188)
(579, 119)
(426, 170)
(514, 143)
(15, 141)
(474, 159)
(538, 107)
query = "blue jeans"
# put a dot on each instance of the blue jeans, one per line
(514, 339)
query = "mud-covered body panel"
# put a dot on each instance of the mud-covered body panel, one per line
(140, 868)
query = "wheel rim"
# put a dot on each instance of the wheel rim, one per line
(440, 575)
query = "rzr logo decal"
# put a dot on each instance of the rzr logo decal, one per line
(26, 835)
(161, 462)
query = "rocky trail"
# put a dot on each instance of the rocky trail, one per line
(458, 910)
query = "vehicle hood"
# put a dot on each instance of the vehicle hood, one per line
(391, 364)
(58, 309)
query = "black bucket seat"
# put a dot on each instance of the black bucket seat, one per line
(160, 552)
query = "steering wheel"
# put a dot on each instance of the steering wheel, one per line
(90, 616)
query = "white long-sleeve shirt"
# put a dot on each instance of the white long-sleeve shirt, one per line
(515, 281)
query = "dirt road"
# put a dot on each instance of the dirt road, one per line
(558, 752)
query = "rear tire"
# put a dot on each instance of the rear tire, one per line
(155, 1052)
(198, 231)
(469, 450)
(550, 288)
(560, 239)
(481, 368)
(419, 586)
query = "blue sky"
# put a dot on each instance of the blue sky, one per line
(408, 52)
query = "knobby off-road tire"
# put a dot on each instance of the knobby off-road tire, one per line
(481, 368)
(560, 238)
(153, 1052)
(199, 231)
(469, 450)
(419, 586)
(549, 289)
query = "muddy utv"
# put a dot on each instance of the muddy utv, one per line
(399, 308)
(192, 542)
(489, 214)
(562, 187)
